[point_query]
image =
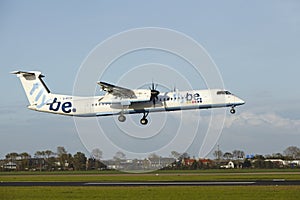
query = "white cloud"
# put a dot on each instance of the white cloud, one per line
(272, 120)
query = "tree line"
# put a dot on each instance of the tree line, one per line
(48, 160)
(290, 153)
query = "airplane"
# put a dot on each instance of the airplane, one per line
(121, 101)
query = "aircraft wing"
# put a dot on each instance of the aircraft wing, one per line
(117, 91)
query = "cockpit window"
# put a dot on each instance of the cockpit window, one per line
(223, 92)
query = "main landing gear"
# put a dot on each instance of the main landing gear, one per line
(121, 118)
(143, 121)
(232, 110)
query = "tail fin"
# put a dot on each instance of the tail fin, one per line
(35, 88)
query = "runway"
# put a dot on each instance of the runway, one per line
(274, 182)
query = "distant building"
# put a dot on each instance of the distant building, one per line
(230, 165)
(278, 162)
(188, 161)
(295, 162)
(9, 166)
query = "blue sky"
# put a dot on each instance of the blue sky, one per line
(255, 45)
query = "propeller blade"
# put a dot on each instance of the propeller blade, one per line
(154, 93)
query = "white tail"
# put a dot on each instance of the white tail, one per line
(35, 88)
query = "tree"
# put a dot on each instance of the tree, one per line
(61, 151)
(38, 154)
(277, 155)
(119, 156)
(238, 154)
(196, 165)
(44, 159)
(40, 161)
(48, 153)
(175, 154)
(184, 156)
(292, 152)
(97, 154)
(259, 163)
(153, 156)
(259, 157)
(25, 160)
(12, 156)
(79, 161)
(218, 154)
(49, 159)
(25, 155)
(228, 155)
(247, 163)
(63, 157)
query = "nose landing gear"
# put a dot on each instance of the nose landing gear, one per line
(232, 110)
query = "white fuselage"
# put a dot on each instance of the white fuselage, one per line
(110, 105)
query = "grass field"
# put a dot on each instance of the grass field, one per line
(145, 193)
(152, 192)
(209, 175)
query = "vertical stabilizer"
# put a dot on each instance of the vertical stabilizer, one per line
(35, 88)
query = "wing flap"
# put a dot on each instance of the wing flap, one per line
(117, 91)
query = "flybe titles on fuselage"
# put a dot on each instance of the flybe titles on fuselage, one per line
(189, 97)
(66, 107)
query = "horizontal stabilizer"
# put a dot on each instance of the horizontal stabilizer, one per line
(28, 73)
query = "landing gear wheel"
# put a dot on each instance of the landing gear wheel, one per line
(144, 121)
(121, 118)
(232, 110)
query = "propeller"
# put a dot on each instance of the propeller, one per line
(154, 93)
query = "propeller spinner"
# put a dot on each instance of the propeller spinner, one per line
(154, 93)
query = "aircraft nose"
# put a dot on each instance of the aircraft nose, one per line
(240, 101)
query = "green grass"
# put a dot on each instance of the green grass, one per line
(208, 171)
(209, 175)
(145, 193)
(154, 172)
(166, 192)
(82, 178)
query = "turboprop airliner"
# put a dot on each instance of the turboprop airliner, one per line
(121, 101)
